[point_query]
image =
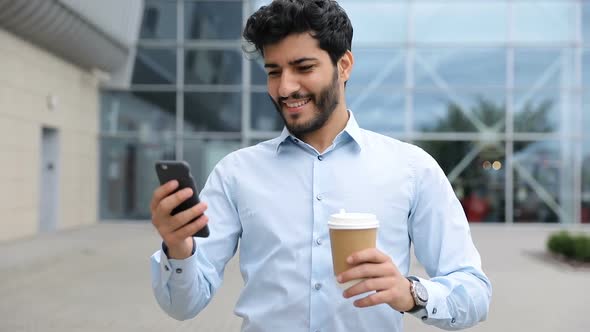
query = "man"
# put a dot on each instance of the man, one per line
(275, 199)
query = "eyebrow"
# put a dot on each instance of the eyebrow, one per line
(291, 63)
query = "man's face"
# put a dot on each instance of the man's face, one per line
(302, 82)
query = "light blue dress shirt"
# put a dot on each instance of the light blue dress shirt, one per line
(274, 200)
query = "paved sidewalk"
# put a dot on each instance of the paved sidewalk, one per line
(97, 279)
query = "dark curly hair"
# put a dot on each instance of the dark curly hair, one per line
(324, 19)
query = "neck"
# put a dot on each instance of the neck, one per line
(322, 138)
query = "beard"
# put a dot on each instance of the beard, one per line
(325, 103)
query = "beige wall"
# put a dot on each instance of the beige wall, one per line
(28, 75)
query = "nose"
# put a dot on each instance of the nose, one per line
(288, 84)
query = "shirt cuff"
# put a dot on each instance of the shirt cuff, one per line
(436, 308)
(177, 269)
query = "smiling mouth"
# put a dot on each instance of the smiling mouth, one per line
(297, 104)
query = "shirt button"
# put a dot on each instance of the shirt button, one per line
(295, 140)
(319, 197)
(318, 286)
(318, 241)
(178, 270)
(166, 268)
(320, 157)
(434, 311)
(453, 320)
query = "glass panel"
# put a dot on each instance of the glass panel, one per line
(127, 177)
(586, 67)
(258, 74)
(146, 113)
(213, 67)
(586, 21)
(213, 20)
(538, 111)
(476, 171)
(378, 110)
(212, 111)
(154, 66)
(544, 68)
(460, 67)
(460, 22)
(536, 181)
(459, 112)
(586, 158)
(544, 21)
(264, 114)
(203, 155)
(159, 20)
(378, 21)
(374, 68)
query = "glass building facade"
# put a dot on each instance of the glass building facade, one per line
(498, 92)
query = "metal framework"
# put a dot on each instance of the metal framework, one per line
(570, 138)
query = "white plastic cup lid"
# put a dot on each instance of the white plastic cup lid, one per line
(343, 220)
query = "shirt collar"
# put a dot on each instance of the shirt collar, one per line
(352, 129)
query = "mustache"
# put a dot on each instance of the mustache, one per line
(297, 95)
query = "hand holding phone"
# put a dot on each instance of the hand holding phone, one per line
(168, 170)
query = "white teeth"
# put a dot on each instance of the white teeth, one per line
(299, 104)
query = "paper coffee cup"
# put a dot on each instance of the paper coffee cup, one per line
(349, 233)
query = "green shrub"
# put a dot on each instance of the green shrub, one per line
(571, 246)
(582, 248)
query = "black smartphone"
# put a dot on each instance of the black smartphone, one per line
(180, 171)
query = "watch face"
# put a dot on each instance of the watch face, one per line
(421, 292)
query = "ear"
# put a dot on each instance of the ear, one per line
(345, 65)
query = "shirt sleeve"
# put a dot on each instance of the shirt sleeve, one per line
(183, 288)
(459, 292)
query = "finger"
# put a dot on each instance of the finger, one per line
(368, 270)
(368, 285)
(161, 192)
(170, 202)
(373, 299)
(188, 215)
(370, 255)
(192, 228)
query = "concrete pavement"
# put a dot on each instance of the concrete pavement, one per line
(97, 278)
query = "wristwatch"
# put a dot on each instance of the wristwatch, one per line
(420, 295)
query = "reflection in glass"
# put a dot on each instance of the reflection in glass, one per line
(476, 171)
(379, 22)
(375, 68)
(159, 20)
(154, 66)
(213, 20)
(543, 21)
(460, 21)
(466, 112)
(264, 114)
(460, 67)
(203, 155)
(536, 181)
(146, 113)
(127, 176)
(537, 113)
(547, 68)
(213, 67)
(212, 111)
(381, 111)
